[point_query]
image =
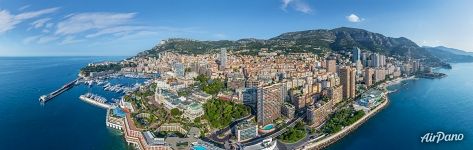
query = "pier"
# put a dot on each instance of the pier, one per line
(45, 98)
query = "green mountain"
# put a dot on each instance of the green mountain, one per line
(317, 41)
(449, 54)
(346, 38)
(453, 50)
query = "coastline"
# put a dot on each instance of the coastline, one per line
(397, 81)
(327, 141)
(345, 131)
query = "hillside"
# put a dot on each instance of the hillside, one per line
(450, 54)
(318, 41)
(452, 50)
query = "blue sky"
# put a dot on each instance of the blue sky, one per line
(89, 28)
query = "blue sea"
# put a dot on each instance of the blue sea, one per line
(65, 122)
(419, 107)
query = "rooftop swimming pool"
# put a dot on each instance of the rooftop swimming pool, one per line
(198, 147)
(268, 127)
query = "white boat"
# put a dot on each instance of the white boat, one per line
(95, 100)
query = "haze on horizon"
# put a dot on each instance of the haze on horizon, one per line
(60, 28)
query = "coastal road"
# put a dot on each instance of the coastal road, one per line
(276, 133)
(214, 136)
(305, 140)
(334, 137)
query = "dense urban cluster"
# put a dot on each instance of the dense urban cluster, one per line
(243, 101)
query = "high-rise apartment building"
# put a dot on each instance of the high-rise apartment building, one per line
(356, 54)
(269, 102)
(347, 78)
(223, 58)
(368, 76)
(179, 69)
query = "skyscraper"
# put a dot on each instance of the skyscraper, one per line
(223, 58)
(347, 78)
(379, 75)
(368, 76)
(356, 52)
(336, 94)
(269, 102)
(375, 62)
(382, 60)
(353, 83)
(179, 69)
(364, 58)
(378, 60)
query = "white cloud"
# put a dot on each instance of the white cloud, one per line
(138, 35)
(40, 22)
(24, 7)
(33, 14)
(298, 5)
(80, 27)
(39, 39)
(46, 39)
(70, 40)
(285, 3)
(76, 23)
(8, 21)
(118, 29)
(354, 18)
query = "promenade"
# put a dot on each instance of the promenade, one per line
(345, 131)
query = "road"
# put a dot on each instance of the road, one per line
(291, 146)
(214, 136)
(275, 133)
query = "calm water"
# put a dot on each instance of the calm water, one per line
(65, 122)
(419, 107)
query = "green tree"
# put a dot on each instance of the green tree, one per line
(176, 112)
(221, 113)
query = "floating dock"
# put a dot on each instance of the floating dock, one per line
(45, 98)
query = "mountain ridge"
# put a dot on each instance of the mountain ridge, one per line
(450, 54)
(451, 50)
(319, 41)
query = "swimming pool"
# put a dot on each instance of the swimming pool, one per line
(198, 147)
(268, 127)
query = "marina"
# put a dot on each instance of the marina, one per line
(115, 82)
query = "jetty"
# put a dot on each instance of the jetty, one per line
(67, 86)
